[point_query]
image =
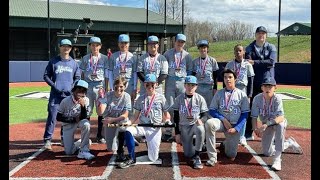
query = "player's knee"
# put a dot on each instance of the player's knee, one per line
(210, 126)
(231, 153)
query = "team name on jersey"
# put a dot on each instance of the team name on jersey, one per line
(195, 109)
(61, 69)
(173, 65)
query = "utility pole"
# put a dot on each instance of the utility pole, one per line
(278, 52)
(147, 20)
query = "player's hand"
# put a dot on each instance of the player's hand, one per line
(199, 122)
(108, 120)
(128, 123)
(82, 102)
(232, 131)
(177, 138)
(251, 61)
(261, 130)
(226, 124)
(133, 95)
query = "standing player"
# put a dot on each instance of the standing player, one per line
(94, 68)
(115, 110)
(74, 112)
(190, 114)
(205, 68)
(60, 74)
(180, 65)
(151, 108)
(269, 108)
(152, 63)
(262, 55)
(244, 82)
(123, 64)
(229, 109)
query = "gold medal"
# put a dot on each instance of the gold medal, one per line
(190, 118)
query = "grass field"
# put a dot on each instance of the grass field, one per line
(293, 49)
(298, 112)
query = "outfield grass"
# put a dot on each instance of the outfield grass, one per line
(298, 112)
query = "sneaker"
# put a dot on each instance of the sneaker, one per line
(197, 163)
(251, 138)
(101, 140)
(78, 143)
(127, 163)
(120, 157)
(210, 162)
(47, 145)
(85, 155)
(276, 165)
(295, 146)
(243, 141)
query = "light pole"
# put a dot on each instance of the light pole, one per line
(278, 53)
(165, 26)
(182, 16)
(48, 5)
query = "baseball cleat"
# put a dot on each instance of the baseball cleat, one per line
(295, 146)
(197, 163)
(127, 163)
(47, 145)
(85, 155)
(276, 165)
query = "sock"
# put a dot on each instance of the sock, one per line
(100, 125)
(130, 144)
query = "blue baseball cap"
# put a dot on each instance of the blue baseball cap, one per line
(150, 78)
(81, 83)
(123, 38)
(95, 40)
(203, 43)
(181, 37)
(153, 39)
(65, 42)
(191, 80)
(269, 81)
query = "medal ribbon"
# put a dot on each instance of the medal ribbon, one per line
(189, 107)
(177, 61)
(94, 65)
(203, 65)
(227, 98)
(147, 109)
(266, 111)
(123, 62)
(237, 68)
(153, 61)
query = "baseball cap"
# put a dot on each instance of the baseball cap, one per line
(95, 40)
(269, 80)
(150, 78)
(65, 42)
(191, 80)
(181, 37)
(81, 83)
(203, 43)
(261, 29)
(153, 39)
(123, 38)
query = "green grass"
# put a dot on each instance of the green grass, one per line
(297, 112)
(293, 49)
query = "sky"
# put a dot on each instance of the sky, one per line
(255, 12)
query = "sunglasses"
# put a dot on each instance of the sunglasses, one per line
(150, 84)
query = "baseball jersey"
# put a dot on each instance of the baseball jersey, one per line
(230, 104)
(122, 64)
(151, 108)
(94, 65)
(204, 67)
(178, 62)
(157, 65)
(189, 106)
(69, 108)
(243, 71)
(116, 106)
(266, 110)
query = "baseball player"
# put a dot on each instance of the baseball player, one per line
(74, 112)
(60, 74)
(180, 65)
(269, 108)
(151, 108)
(263, 56)
(205, 68)
(190, 113)
(123, 64)
(115, 110)
(244, 82)
(94, 68)
(152, 63)
(229, 109)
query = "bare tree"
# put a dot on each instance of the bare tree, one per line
(174, 8)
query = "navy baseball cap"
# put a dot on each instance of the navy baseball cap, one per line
(95, 40)
(269, 81)
(123, 38)
(181, 37)
(203, 43)
(150, 78)
(65, 42)
(191, 80)
(153, 39)
(261, 29)
(81, 83)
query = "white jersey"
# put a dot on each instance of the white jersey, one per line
(179, 62)
(92, 65)
(122, 65)
(69, 108)
(148, 65)
(204, 69)
(243, 71)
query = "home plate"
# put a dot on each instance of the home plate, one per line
(145, 160)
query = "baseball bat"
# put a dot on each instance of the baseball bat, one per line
(143, 125)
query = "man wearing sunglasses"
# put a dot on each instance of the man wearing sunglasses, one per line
(152, 63)
(150, 108)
